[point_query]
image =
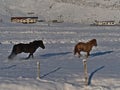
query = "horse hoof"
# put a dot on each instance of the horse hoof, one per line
(10, 58)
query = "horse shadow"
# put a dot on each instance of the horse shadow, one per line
(55, 54)
(66, 53)
(100, 53)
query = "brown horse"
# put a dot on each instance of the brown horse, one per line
(85, 47)
(26, 48)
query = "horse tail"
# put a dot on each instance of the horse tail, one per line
(11, 56)
(14, 49)
(75, 49)
(13, 53)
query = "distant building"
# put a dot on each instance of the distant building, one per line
(24, 20)
(104, 23)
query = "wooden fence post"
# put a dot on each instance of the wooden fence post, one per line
(85, 71)
(38, 70)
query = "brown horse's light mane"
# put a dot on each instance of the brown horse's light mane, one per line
(93, 41)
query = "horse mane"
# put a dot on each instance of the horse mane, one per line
(35, 41)
(93, 41)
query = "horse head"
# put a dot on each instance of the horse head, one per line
(40, 44)
(94, 42)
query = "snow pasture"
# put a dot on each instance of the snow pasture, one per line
(59, 68)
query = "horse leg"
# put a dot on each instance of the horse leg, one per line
(31, 54)
(88, 54)
(79, 54)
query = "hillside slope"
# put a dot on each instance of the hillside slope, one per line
(83, 11)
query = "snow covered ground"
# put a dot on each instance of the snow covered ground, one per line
(59, 68)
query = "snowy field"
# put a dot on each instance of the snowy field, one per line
(59, 68)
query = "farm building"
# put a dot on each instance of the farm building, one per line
(24, 20)
(104, 23)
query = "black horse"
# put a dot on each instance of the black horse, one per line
(26, 48)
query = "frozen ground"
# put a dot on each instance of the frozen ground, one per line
(60, 69)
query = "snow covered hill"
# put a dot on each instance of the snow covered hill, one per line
(83, 11)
